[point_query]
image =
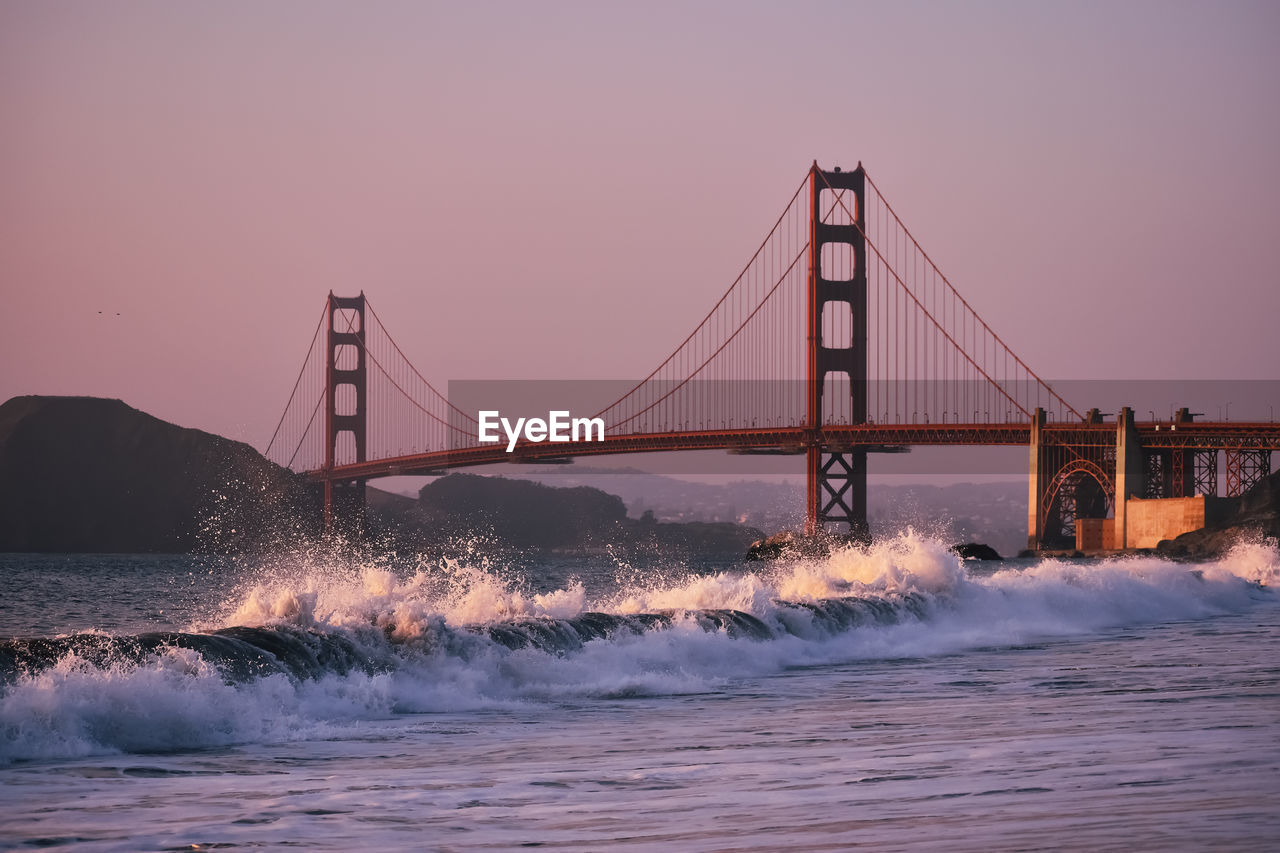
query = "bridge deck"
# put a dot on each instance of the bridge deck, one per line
(790, 440)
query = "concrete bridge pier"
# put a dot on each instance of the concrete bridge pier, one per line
(1130, 481)
(1035, 484)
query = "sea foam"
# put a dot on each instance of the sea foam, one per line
(339, 645)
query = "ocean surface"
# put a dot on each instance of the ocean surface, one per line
(891, 698)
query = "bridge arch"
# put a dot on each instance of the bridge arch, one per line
(1079, 489)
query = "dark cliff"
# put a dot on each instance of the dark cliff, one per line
(91, 474)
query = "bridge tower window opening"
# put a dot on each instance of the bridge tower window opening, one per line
(346, 399)
(346, 357)
(839, 205)
(347, 320)
(344, 447)
(835, 398)
(837, 324)
(837, 263)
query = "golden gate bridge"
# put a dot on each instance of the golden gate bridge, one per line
(840, 337)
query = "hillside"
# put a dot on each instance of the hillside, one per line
(522, 513)
(994, 513)
(85, 474)
(526, 515)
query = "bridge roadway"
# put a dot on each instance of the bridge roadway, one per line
(1225, 435)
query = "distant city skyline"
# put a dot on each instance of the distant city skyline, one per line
(561, 190)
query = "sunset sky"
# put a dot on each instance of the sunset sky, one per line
(562, 190)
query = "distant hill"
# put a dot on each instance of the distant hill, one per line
(994, 513)
(85, 474)
(527, 515)
(523, 513)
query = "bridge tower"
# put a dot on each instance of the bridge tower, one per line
(346, 407)
(837, 477)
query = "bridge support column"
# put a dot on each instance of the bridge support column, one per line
(1206, 473)
(1035, 489)
(1182, 463)
(837, 478)
(1245, 469)
(1130, 480)
(840, 495)
(813, 487)
(346, 387)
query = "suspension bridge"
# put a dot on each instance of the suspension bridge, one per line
(839, 338)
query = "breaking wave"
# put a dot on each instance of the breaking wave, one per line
(327, 647)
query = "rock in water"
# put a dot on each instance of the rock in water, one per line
(790, 545)
(975, 551)
(772, 547)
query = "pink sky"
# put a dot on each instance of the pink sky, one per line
(561, 190)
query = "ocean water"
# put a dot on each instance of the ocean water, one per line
(889, 698)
